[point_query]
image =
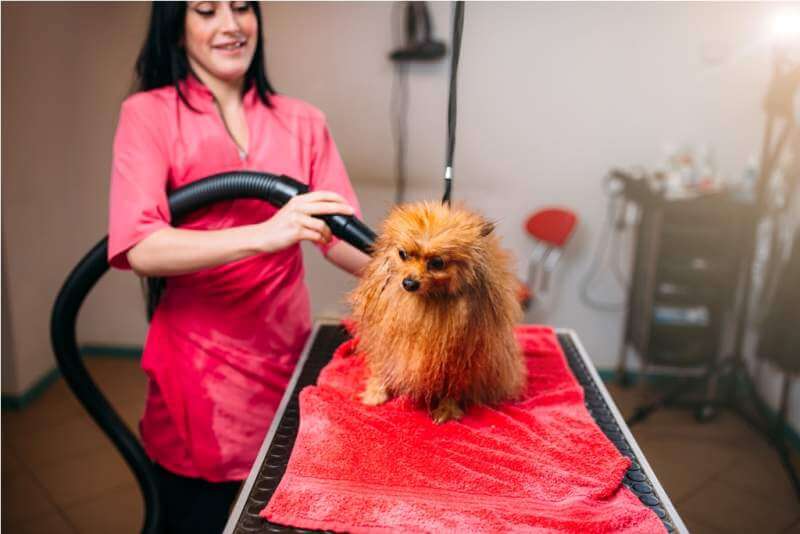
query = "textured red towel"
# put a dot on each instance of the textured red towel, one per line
(538, 465)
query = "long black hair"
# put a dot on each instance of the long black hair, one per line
(162, 62)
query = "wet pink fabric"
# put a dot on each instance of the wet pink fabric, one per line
(223, 341)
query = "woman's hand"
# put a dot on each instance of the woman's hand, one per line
(295, 221)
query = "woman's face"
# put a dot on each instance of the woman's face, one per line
(220, 38)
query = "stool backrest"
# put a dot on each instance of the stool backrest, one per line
(553, 226)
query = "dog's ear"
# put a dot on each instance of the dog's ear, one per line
(487, 228)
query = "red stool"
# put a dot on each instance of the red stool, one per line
(550, 228)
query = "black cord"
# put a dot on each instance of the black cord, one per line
(608, 237)
(458, 25)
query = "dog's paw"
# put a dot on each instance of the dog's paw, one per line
(446, 410)
(374, 395)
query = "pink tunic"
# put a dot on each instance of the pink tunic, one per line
(223, 342)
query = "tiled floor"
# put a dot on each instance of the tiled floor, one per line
(61, 475)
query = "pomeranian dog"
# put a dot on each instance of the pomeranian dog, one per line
(435, 312)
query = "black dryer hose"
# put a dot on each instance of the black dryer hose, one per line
(276, 190)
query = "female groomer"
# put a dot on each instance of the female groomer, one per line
(234, 314)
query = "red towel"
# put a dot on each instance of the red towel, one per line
(537, 465)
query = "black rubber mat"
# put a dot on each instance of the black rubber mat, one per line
(328, 338)
(635, 479)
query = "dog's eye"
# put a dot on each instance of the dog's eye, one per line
(435, 264)
(403, 255)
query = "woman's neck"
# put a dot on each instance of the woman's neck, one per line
(226, 93)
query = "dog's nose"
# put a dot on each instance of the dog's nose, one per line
(409, 284)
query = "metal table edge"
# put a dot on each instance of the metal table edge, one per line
(247, 487)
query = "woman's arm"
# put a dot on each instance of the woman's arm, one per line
(347, 257)
(174, 251)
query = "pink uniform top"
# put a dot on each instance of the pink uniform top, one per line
(223, 341)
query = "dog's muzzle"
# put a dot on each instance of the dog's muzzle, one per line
(409, 284)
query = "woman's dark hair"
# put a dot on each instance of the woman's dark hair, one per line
(162, 62)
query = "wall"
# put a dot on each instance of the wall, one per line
(551, 96)
(66, 68)
(9, 374)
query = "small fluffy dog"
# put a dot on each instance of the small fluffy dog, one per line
(435, 312)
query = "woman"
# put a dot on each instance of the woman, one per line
(234, 314)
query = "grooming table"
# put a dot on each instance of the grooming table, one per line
(273, 457)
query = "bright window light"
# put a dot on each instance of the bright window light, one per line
(786, 25)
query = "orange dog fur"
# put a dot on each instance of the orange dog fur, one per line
(435, 312)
